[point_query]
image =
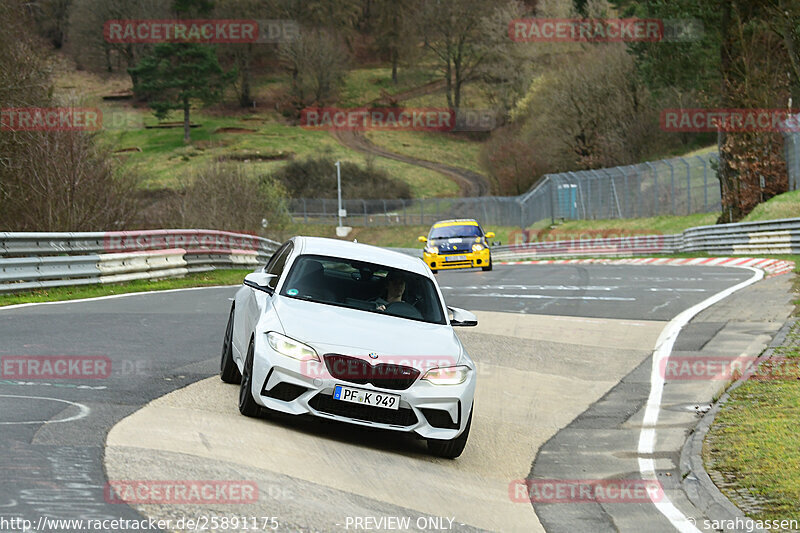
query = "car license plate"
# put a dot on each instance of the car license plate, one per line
(456, 258)
(366, 397)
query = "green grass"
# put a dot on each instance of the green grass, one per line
(754, 441)
(786, 205)
(664, 225)
(391, 236)
(437, 147)
(201, 279)
(165, 160)
(364, 85)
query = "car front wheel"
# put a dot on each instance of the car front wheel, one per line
(450, 449)
(488, 268)
(247, 405)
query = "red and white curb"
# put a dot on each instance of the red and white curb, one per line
(772, 267)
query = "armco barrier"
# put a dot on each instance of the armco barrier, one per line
(38, 260)
(43, 260)
(744, 238)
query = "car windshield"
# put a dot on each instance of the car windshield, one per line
(364, 286)
(449, 232)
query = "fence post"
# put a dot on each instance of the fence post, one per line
(305, 212)
(671, 185)
(552, 208)
(688, 187)
(625, 191)
(705, 183)
(655, 187)
(422, 211)
(385, 213)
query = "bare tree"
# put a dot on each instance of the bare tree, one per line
(317, 62)
(452, 31)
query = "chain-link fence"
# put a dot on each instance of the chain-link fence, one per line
(679, 186)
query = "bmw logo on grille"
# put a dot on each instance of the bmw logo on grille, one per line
(373, 355)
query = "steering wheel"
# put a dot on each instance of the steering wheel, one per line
(403, 309)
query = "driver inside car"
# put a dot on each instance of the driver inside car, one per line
(394, 290)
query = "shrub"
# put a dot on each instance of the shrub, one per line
(231, 197)
(316, 178)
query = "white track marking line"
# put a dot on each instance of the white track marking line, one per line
(647, 436)
(84, 411)
(545, 297)
(113, 296)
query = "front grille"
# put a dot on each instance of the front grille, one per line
(465, 251)
(382, 375)
(400, 417)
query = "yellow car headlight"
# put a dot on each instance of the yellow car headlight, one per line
(291, 348)
(477, 247)
(432, 249)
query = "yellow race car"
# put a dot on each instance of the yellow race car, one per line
(459, 243)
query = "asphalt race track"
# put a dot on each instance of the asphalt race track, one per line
(552, 342)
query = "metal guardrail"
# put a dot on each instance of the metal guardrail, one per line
(43, 260)
(744, 238)
(151, 254)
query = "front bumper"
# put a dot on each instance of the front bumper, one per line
(471, 260)
(296, 387)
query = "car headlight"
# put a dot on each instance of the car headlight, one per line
(291, 348)
(432, 249)
(477, 247)
(449, 375)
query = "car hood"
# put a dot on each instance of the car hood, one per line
(332, 329)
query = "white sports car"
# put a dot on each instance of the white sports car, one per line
(354, 333)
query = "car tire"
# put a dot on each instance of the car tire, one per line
(228, 371)
(247, 405)
(488, 268)
(434, 271)
(450, 449)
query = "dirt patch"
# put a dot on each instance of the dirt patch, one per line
(170, 125)
(235, 130)
(257, 156)
(129, 149)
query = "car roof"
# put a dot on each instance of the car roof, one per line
(360, 252)
(456, 222)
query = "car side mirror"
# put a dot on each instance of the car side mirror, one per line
(260, 281)
(462, 317)
(489, 235)
(422, 239)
